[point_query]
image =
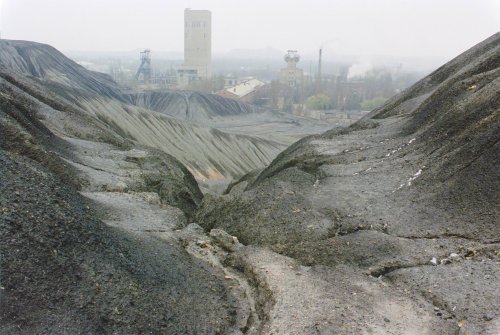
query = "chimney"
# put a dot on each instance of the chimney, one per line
(318, 80)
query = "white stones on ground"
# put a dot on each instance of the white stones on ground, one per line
(411, 179)
(415, 176)
(453, 257)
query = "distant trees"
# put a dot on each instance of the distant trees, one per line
(371, 104)
(319, 102)
(365, 91)
(336, 91)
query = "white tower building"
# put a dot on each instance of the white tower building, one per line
(197, 46)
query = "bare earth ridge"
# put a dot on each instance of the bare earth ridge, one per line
(389, 226)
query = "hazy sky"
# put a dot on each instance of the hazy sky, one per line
(390, 27)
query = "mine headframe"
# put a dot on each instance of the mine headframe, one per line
(145, 67)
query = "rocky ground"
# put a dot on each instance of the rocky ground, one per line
(389, 226)
(408, 195)
(93, 262)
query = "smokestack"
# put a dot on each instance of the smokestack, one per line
(318, 80)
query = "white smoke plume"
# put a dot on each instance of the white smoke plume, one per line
(359, 69)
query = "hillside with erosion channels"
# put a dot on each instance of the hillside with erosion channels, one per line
(388, 226)
(88, 105)
(191, 106)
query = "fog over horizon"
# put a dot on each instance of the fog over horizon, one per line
(424, 28)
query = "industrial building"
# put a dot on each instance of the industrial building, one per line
(197, 47)
(292, 76)
(246, 91)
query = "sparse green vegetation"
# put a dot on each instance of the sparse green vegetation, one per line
(319, 102)
(371, 104)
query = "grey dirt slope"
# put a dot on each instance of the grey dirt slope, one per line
(191, 106)
(64, 271)
(389, 226)
(88, 105)
(410, 195)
